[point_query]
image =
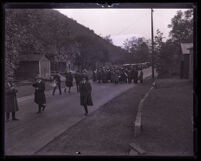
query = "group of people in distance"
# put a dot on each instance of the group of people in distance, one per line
(113, 74)
(118, 74)
(82, 83)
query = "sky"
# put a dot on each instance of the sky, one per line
(123, 24)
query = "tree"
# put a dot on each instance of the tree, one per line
(182, 26)
(158, 44)
(108, 39)
(167, 52)
(166, 55)
(138, 48)
(46, 31)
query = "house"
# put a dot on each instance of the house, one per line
(32, 65)
(186, 60)
(60, 64)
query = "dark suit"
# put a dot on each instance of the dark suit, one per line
(78, 79)
(11, 105)
(85, 95)
(39, 95)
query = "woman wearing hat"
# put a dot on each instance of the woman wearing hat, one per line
(39, 95)
(85, 94)
(11, 105)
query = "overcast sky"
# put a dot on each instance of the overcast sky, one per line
(122, 23)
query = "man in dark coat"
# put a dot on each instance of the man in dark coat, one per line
(57, 79)
(141, 76)
(135, 77)
(78, 79)
(85, 94)
(68, 82)
(129, 76)
(39, 95)
(11, 105)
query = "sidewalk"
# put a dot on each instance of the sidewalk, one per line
(167, 116)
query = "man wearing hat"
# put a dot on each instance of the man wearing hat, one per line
(39, 95)
(11, 105)
(85, 94)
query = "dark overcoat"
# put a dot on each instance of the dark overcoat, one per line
(39, 95)
(141, 76)
(11, 104)
(78, 78)
(69, 80)
(85, 94)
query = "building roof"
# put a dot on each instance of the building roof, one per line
(30, 57)
(185, 47)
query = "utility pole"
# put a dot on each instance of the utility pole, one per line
(152, 42)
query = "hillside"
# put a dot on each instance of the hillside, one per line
(46, 31)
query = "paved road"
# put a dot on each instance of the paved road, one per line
(108, 131)
(33, 131)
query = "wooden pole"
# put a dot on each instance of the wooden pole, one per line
(152, 40)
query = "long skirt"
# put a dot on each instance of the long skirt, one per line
(86, 100)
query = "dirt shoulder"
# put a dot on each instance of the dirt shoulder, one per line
(167, 117)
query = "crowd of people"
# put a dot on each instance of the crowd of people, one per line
(112, 74)
(83, 86)
(118, 74)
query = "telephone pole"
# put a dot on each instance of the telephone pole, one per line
(152, 42)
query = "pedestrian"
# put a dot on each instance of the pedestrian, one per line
(141, 76)
(39, 95)
(68, 82)
(129, 76)
(99, 75)
(135, 77)
(95, 75)
(77, 80)
(57, 79)
(11, 105)
(85, 94)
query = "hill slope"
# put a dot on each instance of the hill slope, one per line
(46, 31)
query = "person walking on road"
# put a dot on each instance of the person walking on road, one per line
(135, 77)
(141, 76)
(85, 94)
(77, 80)
(11, 105)
(39, 95)
(68, 82)
(57, 79)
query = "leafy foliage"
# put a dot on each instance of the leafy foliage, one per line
(138, 48)
(167, 54)
(46, 31)
(182, 26)
(108, 38)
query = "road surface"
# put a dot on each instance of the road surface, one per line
(33, 131)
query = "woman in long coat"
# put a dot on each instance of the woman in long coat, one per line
(11, 105)
(39, 95)
(69, 81)
(85, 94)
